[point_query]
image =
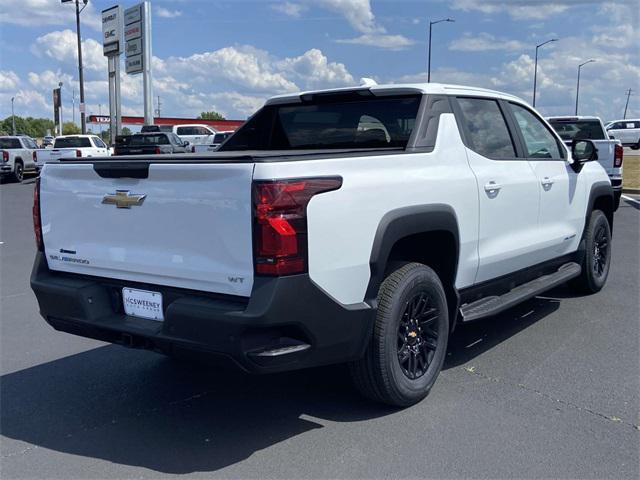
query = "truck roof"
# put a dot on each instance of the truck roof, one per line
(399, 89)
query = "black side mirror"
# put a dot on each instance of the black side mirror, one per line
(185, 144)
(584, 151)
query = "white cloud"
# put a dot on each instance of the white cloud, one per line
(39, 13)
(483, 42)
(313, 70)
(290, 9)
(524, 9)
(245, 66)
(8, 80)
(166, 13)
(357, 12)
(62, 46)
(380, 40)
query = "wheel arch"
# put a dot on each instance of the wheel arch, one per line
(601, 198)
(401, 236)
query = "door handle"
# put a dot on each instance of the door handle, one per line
(546, 182)
(492, 187)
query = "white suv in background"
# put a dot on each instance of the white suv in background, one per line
(195, 134)
(627, 131)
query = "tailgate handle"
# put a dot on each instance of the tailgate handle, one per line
(121, 170)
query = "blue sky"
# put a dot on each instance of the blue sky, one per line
(231, 55)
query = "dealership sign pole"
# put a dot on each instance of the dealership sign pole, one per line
(137, 35)
(112, 48)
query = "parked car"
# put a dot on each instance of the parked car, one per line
(73, 146)
(47, 141)
(218, 139)
(308, 239)
(18, 156)
(627, 131)
(610, 151)
(195, 134)
(149, 144)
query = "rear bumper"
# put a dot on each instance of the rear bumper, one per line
(281, 313)
(6, 169)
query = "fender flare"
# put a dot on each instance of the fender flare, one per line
(600, 190)
(403, 222)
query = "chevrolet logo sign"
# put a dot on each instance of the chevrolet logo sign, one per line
(123, 199)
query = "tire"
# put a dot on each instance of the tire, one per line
(597, 258)
(409, 341)
(18, 172)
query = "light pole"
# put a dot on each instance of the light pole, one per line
(535, 68)
(578, 85)
(431, 24)
(60, 87)
(83, 121)
(13, 117)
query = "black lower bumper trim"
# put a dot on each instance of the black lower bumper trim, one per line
(281, 312)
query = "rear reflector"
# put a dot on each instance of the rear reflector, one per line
(37, 223)
(280, 223)
(619, 153)
(5, 156)
(78, 153)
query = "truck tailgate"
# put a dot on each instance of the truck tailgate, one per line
(192, 229)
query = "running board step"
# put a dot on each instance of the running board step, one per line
(488, 306)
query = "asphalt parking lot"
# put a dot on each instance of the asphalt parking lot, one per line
(548, 389)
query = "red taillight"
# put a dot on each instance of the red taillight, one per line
(617, 158)
(280, 223)
(5, 156)
(37, 225)
(158, 150)
(34, 156)
(78, 153)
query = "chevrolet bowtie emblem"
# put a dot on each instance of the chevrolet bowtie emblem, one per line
(124, 199)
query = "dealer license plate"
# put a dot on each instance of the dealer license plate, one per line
(143, 304)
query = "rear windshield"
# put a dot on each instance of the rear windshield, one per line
(9, 143)
(72, 142)
(579, 130)
(149, 140)
(331, 123)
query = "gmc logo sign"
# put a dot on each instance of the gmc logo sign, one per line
(109, 34)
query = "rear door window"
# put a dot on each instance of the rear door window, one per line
(487, 128)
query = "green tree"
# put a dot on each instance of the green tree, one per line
(34, 127)
(70, 128)
(212, 115)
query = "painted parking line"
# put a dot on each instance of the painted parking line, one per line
(631, 199)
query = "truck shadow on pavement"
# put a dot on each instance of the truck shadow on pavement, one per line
(137, 408)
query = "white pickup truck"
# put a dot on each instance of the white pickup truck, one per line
(610, 151)
(18, 156)
(78, 146)
(353, 225)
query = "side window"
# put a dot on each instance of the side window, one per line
(99, 143)
(487, 128)
(539, 141)
(185, 131)
(176, 139)
(203, 131)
